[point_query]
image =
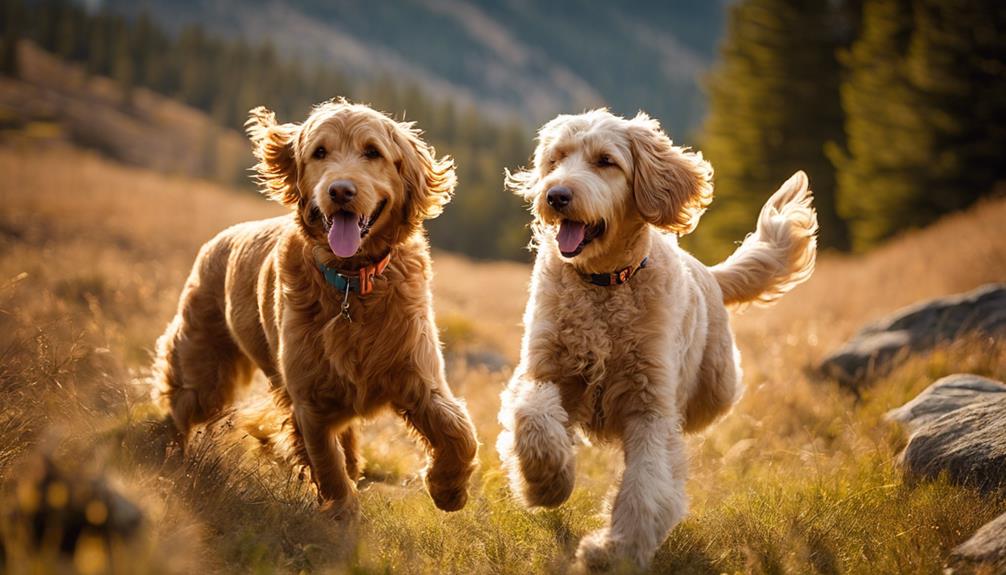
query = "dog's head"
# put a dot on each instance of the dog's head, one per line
(360, 181)
(598, 179)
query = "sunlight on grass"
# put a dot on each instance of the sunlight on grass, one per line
(800, 478)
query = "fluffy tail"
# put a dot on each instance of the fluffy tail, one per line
(779, 255)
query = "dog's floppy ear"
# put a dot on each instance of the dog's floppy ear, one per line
(274, 148)
(429, 182)
(521, 182)
(672, 186)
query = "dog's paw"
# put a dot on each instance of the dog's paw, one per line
(540, 479)
(345, 512)
(598, 552)
(546, 486)
(595, 554)
(448, 497)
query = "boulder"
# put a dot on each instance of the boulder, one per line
(986, 547)
(882, 345)
(944, 396)
(969, 443)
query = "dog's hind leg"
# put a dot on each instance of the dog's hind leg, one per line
(198, 366)
(718, 385)
(351, 453)
(536, 444)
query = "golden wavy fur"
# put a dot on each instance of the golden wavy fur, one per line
(256, 300)
(638, 363)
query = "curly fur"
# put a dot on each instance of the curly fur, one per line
(255, 299)
(644, 362)
(779, 255)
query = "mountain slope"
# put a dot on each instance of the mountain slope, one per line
(54, 102)
(532, 59)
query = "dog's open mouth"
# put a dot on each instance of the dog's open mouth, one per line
(573, 236)
(347, 229)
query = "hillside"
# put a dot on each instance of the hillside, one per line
(57, 103)
(799, 478)
(533, 59)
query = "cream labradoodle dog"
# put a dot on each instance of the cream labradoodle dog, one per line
(627, 335)
(332, 301)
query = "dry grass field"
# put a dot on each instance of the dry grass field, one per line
(800, 478)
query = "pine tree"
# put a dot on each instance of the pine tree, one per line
(888, 143)
(98, 49)
(150, 52)
(926, 106)
(13, 22)
(774, 107)
(957, 62)
(66, 30)
(123, 63)
(189, 63)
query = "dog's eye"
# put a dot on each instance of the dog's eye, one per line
(371, 153)
(604, 161)
(319, 153)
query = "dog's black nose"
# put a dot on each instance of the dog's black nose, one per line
(559, 197)
(341, 191)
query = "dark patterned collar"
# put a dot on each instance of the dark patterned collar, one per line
(618, 277)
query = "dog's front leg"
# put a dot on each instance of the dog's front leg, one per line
(328, 464)
(536, 444)
(443, 423)
(651, 499)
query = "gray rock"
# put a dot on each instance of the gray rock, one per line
(944, 396)
(968, 443)
(882, 345)
(986, 547)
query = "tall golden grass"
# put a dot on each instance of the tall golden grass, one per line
(800, 478)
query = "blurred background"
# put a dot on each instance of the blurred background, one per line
(895, 108)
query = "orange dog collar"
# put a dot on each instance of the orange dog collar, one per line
(361, 281)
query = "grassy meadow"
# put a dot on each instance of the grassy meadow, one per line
(799, 478)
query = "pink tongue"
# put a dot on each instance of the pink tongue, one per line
(344, 237)
(570, 235)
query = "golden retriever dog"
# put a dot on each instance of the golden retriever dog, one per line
(626, 335)
(332, 302)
